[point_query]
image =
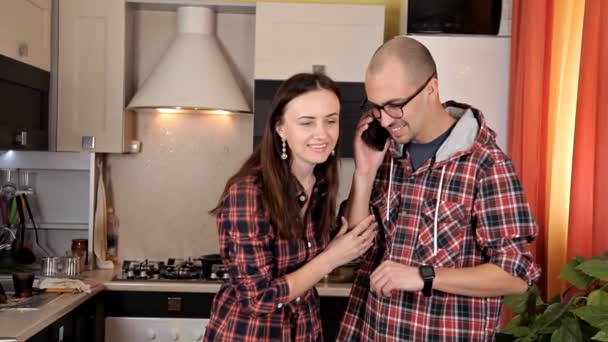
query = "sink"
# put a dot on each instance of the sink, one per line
(38, 300)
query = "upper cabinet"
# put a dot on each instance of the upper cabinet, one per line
(91, 81)
(25, 31)
(338, 38)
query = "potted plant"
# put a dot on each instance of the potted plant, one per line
(578, 314)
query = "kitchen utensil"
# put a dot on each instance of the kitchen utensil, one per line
(23, 283)
(207, 262)
(27, 180)
(71, 266)
(51, 266)
(8, 181)
(26, 204)
(23, 255)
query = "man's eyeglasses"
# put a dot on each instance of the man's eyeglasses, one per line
(394, 110)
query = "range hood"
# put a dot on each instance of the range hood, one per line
(193, 73)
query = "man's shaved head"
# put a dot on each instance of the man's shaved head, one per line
(411, 54)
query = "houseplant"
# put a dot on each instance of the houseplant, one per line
(578, 314)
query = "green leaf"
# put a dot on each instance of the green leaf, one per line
(517, 331)
(514, 322)
(595, 315)
(529, 314)
(571, 274)
(597, 268)
(569, 331)
(601, 336)
(598, 298)
(549, 318)
(517, 303)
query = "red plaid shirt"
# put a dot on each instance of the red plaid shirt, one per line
(253, 305)
(483, 217)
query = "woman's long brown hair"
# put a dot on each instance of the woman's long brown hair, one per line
(276, 174)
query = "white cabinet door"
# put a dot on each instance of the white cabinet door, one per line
(291, 38)
(91, 75)
(25, 31)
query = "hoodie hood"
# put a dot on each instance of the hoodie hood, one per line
(470, 130)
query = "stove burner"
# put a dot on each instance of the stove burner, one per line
(183, 269)
(143, 270)
(197, 269)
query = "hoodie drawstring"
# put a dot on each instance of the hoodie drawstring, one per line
(437, 211)
(388, 195)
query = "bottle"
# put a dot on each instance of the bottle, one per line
(112, 225)
(80, 249)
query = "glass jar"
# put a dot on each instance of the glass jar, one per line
(80, 248)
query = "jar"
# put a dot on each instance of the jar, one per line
(80, 248)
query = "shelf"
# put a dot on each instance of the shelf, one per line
(61, 225)
(172, 5)
(45, 160)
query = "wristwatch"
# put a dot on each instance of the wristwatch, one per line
(427, 273)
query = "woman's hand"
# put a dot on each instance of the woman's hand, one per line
(348, 245)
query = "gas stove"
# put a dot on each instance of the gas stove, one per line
(204, 268)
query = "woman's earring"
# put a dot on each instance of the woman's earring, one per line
(284, 149)
(333, 153)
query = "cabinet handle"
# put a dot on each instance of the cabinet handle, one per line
(21, 138)
(23, 50)
(318, 69)
(88, 142)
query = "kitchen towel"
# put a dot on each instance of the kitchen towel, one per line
(100, 241)
(64, 285)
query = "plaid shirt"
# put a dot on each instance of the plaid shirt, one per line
(483, 217)
(253, 305)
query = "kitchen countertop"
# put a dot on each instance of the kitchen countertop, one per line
(324, 289)
(25, 324)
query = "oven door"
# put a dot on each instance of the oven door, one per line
(135, 329)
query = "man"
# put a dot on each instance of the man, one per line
(456, 226)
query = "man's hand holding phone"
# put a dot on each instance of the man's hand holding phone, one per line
(369, 137)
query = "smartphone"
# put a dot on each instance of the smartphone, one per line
(375, 135)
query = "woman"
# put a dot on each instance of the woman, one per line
(275, 220)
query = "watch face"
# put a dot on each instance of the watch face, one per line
(427, 272)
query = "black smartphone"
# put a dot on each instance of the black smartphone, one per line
(375, 135)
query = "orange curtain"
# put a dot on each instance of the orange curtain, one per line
(528, 106)
(588, 221)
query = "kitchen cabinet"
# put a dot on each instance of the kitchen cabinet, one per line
(292, 38)
(91, 76)
(25, 31)
(85, 323)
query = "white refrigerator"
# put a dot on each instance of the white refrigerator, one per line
(474, 70)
